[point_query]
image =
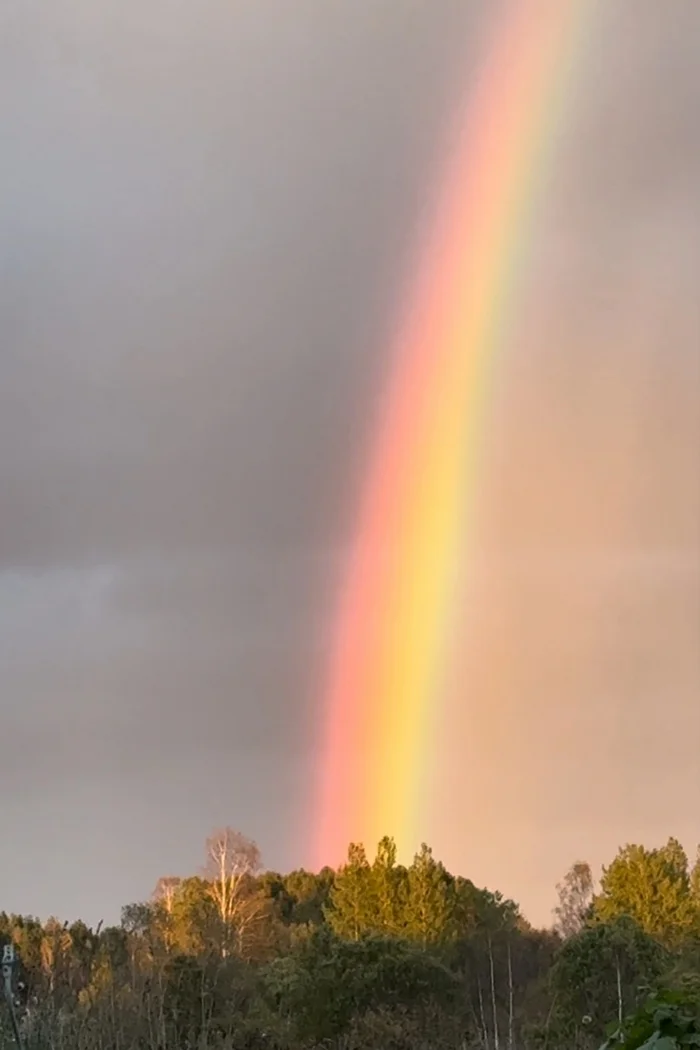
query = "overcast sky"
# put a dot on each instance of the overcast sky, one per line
(206, 215)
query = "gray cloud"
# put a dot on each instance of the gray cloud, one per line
(207, 217)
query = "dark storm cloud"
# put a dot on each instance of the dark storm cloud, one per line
(206, 212)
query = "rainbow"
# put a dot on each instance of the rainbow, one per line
(394, 631)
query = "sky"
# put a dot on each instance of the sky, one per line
(208, 214)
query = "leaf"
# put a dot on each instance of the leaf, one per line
(660, 1042)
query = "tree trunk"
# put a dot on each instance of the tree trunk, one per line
(482, 1012)
(620, 1010)
(511, 1036)
(548, 1022)
(496, 1040)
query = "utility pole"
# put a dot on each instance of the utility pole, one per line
(10, 961)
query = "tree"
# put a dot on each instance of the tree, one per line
(652, 887)
(195, 922)
(328, 981)
(232, 862)
(695, 884)
(388, 891)
(306, 895)
(575, 894)
(488, 926)
(431, 901)
(246, 961)
(138, 918)
(163, 904)
(56, 944)
(351, 910)
(420, 903)
(603, 971)
(165, 891)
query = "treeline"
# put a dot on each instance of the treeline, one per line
(374, 955)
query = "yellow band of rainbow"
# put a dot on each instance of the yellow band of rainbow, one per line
(395, 624)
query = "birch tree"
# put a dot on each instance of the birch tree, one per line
(165, 891)
(232, 863)
(575, 894)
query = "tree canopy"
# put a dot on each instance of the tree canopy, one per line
(375, 954)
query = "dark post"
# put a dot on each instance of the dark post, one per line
(9, 965)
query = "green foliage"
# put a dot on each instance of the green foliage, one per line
(431, 900)
(653, 887)
(695, 883)
(351, 908)
(329, 981)
(667, 1020)
(422, 903)
(374, 955)
(603, 971)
